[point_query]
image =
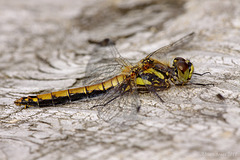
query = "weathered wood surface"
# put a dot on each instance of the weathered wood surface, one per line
(43, 47)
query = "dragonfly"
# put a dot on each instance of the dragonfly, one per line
(119, 94)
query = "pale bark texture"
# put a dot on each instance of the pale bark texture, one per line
(44, 48)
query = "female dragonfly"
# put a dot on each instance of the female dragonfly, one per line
(119, 93)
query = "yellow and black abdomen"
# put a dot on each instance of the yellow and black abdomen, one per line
(62, 97)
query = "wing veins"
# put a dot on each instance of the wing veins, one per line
(173, 46)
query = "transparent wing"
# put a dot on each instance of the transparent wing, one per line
(163, 51)
(114, 51)
(118, 105)
(104, 64)
(101, 71)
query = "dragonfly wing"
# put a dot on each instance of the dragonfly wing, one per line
(119, 105)
(101, 66)
(163, 51)
(104, 64)
(101, 73)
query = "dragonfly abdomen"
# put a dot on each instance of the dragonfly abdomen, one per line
(62, 97)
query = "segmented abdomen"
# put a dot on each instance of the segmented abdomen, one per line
(61, 97)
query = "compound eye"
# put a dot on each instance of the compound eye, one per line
(182, 66)
(177, 60)
(189, 66)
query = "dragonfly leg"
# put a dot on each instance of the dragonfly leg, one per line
(105, 103)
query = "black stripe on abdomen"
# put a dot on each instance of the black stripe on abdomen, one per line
(77, 96)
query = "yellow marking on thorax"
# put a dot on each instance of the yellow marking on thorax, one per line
(140, 81)
(128, 87)
(153, 71)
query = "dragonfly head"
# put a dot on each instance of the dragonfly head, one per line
(183, 70)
